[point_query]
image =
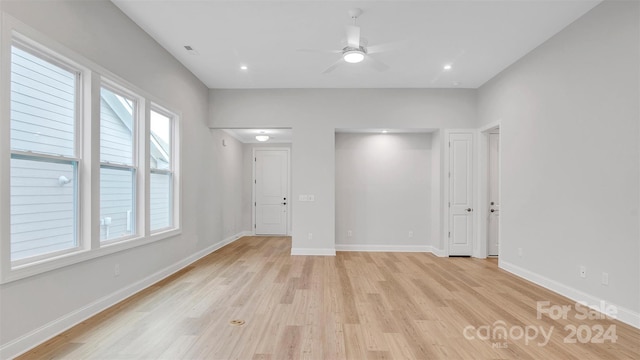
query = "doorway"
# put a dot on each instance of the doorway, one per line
(461, 199)
(493, 193)
(489, 194)
(271, 191)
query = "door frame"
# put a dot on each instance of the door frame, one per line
(482, 214)
(253, 186)
(446, 182)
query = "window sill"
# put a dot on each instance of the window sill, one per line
(43, 266)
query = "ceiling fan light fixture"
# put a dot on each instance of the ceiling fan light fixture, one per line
(262, 138)
(353, 56)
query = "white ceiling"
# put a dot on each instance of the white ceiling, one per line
(479, 38)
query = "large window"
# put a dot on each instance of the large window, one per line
(161, 164)
(44, 156)
(74, 179)
(117, 165)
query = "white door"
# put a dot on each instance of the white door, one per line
(460, 194)
(494, 193)
(271, 185)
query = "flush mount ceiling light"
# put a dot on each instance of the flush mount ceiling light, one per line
(262, 137)
(353, 56)
(243, 67)
(447, 67)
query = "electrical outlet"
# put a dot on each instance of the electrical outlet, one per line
(116, 270)
(605, 278)
(410, 234)
(312, 198)
(349, 233)
(583, 271)
(310, 236)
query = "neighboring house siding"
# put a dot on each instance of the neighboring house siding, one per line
(116, 194)
(42, 106)
(160, 201)
(42, 120)
(116, 191)
(42, 213)
(115, 137)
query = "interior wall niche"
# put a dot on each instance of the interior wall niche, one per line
(383, 191)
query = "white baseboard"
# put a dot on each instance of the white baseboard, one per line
(625, 315)
(38, 336)
(439, 252)
(391, 248)
(313, 252)
(383, 248)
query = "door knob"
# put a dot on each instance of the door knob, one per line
(493, 210)
(284, 203)
(469, 209)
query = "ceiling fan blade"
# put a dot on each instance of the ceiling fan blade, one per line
(377, 64)
(320, 51)
(353, 36)
(390, 46)
(333, 66)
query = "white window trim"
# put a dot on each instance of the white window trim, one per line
(87, 142)
(173, 168)
(116, 88)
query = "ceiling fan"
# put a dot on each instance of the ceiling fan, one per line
(356, 50)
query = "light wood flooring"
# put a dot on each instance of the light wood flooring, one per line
(351, 306)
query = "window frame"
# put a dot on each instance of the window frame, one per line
(87, 146)
(174, 163)
(79, 72)
(121, 90)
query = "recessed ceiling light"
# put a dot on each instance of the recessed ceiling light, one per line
(447, 67)
(262, 137)
(384, 131)
(243, 67)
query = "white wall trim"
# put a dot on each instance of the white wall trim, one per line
(391, 248)
(439, 252)
(625, 315)
(38, 336)
(383, 248)
(313, 252)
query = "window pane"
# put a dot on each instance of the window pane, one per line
(117, 213)
(160, 201)
(43, 99)
(43, 207)
(116, 128)
(160, 141)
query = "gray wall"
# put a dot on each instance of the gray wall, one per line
(98, 31)
(314, 115)
(569, 138)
